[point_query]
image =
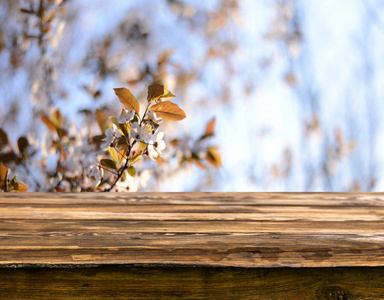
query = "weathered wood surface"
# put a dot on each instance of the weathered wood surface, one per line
(120, 282)
(252, 230)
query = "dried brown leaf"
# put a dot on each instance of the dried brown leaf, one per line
(168, 111)
(101, 120)
(127, 99)
(213, 157)
(210, 129)
(48, 122)
(3, 172)
(155, 91)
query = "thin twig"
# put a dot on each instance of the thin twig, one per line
(119, 174)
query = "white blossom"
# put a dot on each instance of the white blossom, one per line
(152, 115)
(54, 181)
(139, 133)
(110, 136)
(125, 116)
(116, 131)
(97, 172)
(11, 174)
(94, 170)
(155, 147)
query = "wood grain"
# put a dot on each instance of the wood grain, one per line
(249, 230)
(120, 282)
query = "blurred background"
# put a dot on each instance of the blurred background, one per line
(295, 87)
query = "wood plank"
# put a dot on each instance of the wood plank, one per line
(242, 198)
(252, 230)
(53, 227)
(118, 282)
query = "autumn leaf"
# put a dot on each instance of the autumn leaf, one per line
(113, 153)
(22, 188)
(8, 156)
(22, 144)
(199, 164)
(135, 159)
(123, 128)
(122, 154)
(209, 130)
(127, 99)
(18, 187)
(57, 118)
(155, 91)
(101, 120)
(3, 176)
(97, 139)
(167, 94)
(108, 163)
(48, 122)
(3, 139)
(61, 132)
(114, 121)
(54, 123)
(122, 141)
(213, 157)
(168, 111)
(3, 172)
(123, 176)
(142, 146)
(131, 171)
(3, 136)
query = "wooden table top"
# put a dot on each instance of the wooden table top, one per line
(192, 229)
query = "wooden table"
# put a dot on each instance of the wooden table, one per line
(192, 246)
